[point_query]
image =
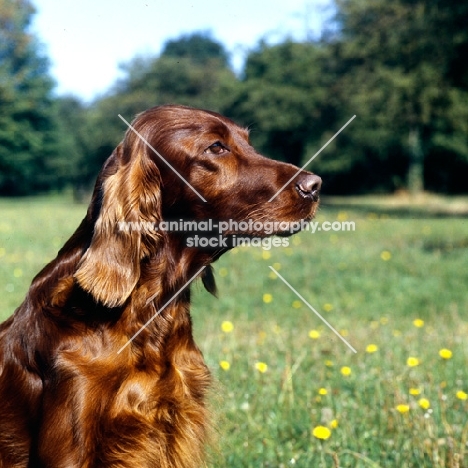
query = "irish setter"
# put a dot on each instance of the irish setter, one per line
(98, 366)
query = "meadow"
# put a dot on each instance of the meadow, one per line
(288, 391)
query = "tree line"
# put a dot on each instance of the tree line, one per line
(399, 66)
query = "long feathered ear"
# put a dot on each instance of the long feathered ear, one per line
(131, 204)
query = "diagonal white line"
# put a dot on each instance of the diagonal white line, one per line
(313, 157)
(160, 310)
(313, 310)
(161, 157)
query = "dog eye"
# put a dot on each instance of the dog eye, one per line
(216, 148)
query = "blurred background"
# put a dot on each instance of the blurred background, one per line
(293, 73)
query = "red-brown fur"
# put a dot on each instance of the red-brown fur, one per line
(68, 398)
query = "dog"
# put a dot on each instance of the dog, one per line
(98, 365)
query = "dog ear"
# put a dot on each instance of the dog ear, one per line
(123, 232)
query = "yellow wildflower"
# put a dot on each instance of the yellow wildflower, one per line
(445, 353)
(412, 362)
(314, 334)
(261, 367)
(227, 326)
(321, 432)
(402, 408)
(424, 403)
(372, 348)
(385, 255)
(345, 370)
(224, 365)
(267, 298)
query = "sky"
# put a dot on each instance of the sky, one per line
(87, 40)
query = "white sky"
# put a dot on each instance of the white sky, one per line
(86, 40)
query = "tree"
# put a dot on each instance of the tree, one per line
(75, 128)
(199, 47)
(191, 70)
(284, 99)
(30, 153)
(399, 73)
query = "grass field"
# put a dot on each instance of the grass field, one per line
(288, 391)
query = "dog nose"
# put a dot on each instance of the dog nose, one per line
(308, 186)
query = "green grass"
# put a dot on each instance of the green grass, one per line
(32, 230)
(370, 297)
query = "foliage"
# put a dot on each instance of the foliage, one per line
(31, 153)
(396, 71)
(74, 126)
(398, 66)
(198, 47)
